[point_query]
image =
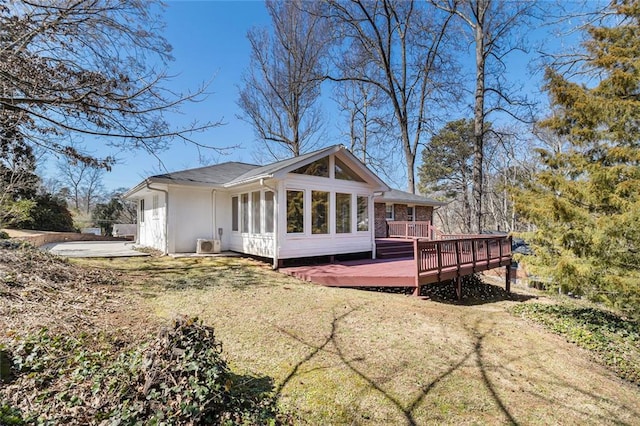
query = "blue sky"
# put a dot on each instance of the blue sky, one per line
(210, 44)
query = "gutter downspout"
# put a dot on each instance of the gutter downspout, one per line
(166, 212)
(372, 229)
(275, 225)
(214, 217)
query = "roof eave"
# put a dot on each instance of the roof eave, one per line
(407, 201)
(248, 180)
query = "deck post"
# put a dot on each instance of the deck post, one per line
(458, 285)
(416, 259)
(507, 286)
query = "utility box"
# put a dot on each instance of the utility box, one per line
(205, 246)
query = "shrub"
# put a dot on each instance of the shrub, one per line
(178, 378)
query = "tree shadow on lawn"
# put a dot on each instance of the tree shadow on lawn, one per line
(493, 376)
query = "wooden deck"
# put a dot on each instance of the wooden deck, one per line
(433, 261)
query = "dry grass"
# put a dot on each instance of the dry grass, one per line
(341, 356)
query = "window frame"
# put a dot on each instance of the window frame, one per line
(269, 212)
(339, 220)
(325, 229)
(411, 217)
(244, 213)
(365, 215)
(256, 216)
(389, 207)
(235, 213)
(287, 200)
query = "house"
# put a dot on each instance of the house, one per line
(317, 204)
(399, 206)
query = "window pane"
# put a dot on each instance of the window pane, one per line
(389, 211)
(234, 213)
(255, 212)
(343, 213)
(317, 168)
(244, 207)
(142, 210)
(295, 211)
(319, 212)
(268, 211)
(363, 213)
(345, 173)
(410, 213)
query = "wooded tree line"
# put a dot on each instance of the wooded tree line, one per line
(397, 70)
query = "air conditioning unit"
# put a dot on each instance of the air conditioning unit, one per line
(204, 246)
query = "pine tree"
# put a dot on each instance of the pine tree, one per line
(585, 202)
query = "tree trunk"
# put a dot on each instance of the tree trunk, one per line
(478, 116)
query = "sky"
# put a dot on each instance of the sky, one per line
(210, 45)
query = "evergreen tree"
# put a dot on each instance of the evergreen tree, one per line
(447, 166)
(585, 202)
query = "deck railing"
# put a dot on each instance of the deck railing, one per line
(460, 256)
(405, 229)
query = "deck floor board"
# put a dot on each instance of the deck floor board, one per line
(359, 273)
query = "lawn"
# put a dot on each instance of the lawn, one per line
(342, 356)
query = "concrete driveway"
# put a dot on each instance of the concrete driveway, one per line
(93, 249)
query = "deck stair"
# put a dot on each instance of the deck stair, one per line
(394, 248)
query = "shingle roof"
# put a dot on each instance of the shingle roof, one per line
(218, 174)
(397, 196)
(234, 173)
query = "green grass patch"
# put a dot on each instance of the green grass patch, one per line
(614, 340)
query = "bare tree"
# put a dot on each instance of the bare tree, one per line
(399, 48)
(496, 28)
(88, 67)
(362, 107)
(281, 88)
(83, 182)
(93, 189)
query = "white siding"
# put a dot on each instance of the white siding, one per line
(190, 218)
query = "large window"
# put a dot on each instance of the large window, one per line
(255, 212)
(342, 171)
(317, 168)
(244, 212)
(343, 213)
(319, 212)
(234, 213)
(363, 213)
(295, 212)
(268, 211)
